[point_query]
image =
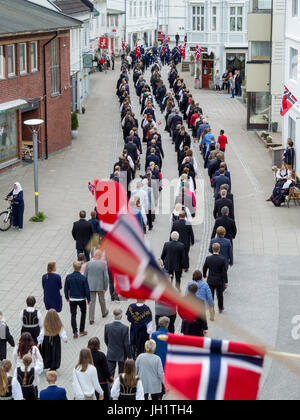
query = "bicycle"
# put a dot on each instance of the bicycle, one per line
(6, 219)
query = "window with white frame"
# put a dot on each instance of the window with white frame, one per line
(236, 19)
(2, 63)
(11, 60)
(151, 8)
(55, 67)
(214, 19)
(134, 9)
(198, 16)
(293, 64)
(130, 9)
(295, 7)
(141, 8)
(23, 58)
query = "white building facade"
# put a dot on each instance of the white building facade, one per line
(219, 27)
(173, 18)
(142, 22)
(291, 121)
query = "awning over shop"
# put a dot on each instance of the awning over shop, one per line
(9, 106)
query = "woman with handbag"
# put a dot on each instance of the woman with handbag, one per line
(85, 378)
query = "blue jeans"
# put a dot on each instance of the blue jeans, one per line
(232, 93)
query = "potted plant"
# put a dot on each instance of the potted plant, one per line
(269, 140)
(274, 127)
(74, 125)
(197, 78)
(264, 135)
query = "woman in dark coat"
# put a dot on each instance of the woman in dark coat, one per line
(5, 337)
(17, 199)
(100, 363)
(52, 285)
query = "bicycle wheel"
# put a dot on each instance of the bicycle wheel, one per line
(5, 221)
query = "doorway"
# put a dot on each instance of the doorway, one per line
(207, 73)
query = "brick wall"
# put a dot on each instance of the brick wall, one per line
(31, 86)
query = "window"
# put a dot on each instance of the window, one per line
(293, 64)
(295, 8)
(11, 60)
(23, 58)
(2, 63)
(134, 9)
(130, 9)
(214, 19)
(198, 18)
(8, 136)
(34, 53)
(55, 68)
(261, 50)
(236, 19)
(141, 8)
(262, 5)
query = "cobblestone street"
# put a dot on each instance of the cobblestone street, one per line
(263, 296)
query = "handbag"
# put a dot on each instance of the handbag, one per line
(86, 397)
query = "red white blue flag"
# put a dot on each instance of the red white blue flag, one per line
(198, 53)
(206, 369)
(288, 101)
(137, 51)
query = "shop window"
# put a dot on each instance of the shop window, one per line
(8, 136)
(259, 107)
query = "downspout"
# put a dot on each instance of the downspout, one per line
(45, 91)
(271, 60)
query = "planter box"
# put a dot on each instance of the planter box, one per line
(267, 144)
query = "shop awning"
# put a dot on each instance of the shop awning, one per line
(9, 106)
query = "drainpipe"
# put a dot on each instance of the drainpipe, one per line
(45, 91)
(271, 60)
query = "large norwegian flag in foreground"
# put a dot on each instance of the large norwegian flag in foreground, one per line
(205, 369)
(136, 272)
(288, 101)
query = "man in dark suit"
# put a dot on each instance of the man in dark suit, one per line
(218, 181)
(116, 337)
(217, 279)
(227, 223)
(223, 202)
(53, 392)
(186, 235)
(173, 257)
(132, 150)
(229, 194)
(82, 233)
(152, 157)
(225, 244)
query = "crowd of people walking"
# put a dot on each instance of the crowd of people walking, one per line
(136, 349)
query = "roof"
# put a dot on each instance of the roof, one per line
(70, 7)
(21, 16)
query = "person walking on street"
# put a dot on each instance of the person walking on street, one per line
(97, 277)
(128, 386)
(217, 279)
(52, 286)
(161, 346)
(116, 337)
(53, 392)
(174, 258)
(150, 371)
(16, 196)
(82, 233)
(10, 389)
(5, 337)
(225, 244)
(77, 293)
(31, 319)
(100, 363)
(186, 236)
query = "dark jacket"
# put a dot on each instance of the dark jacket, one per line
(173, 256)
(132, 151)
(53, 393)
(228, 224)
(186, 233)
(116, 337)
(218, 181)
(226, 249)
(219, 204)
(3, 342)
(215, 265)
(195, 328)
(100, 363)
(77, 287)
(82, 233)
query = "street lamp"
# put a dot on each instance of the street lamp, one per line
(35, 126)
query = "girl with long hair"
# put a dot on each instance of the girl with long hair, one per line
(100, 363)
(25, 376)
(128, 386)
(49, 340)
(10, 389)
(85, 378)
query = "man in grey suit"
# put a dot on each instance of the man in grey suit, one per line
(97, 276)
(116, 337)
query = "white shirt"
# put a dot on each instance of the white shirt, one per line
(17, 393)
(37, 363)
(115, 391)
(86, 383)
(62, 334)
(143, 196)
(30, 309)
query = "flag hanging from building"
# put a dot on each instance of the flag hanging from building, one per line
(184, 51)
(198, 53)
(137, 51)
(136, 272)
(123, 46)
(288, 101)
(206, 369)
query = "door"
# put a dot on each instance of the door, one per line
(207, 68)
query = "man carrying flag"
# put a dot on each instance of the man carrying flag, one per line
(205, 369)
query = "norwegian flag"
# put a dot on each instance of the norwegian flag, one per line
(123, 46)
(184, 51)
(288, 101)
(136, 271)
(198, 53)
(137, 51)
(92, 188)
(206, 369)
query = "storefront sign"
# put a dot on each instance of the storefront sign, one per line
(103, 43)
